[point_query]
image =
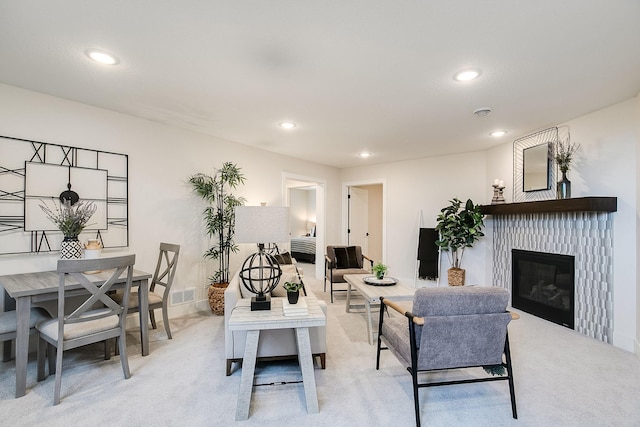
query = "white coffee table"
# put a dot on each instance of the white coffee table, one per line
(372, 294)
(243, 319)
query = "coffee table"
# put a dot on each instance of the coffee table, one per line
(372, 294)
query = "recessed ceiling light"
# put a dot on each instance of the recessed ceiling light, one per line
(498, 133)
(364, 154)
(466, 75)
(287, 125)
(102, 57)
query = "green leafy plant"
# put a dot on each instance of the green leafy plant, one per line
(379, 270)
(292, 286)
(459, 227)
(70, 219)
(219, 216)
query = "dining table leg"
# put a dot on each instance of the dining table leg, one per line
(9, 304)
(143, 304)
(23, 312)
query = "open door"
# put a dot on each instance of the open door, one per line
(358, 226)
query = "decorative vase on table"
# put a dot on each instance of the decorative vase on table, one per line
(293, 297)
(71, 248)
(564, 187)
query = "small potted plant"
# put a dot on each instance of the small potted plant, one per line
(293, 291)
(70, 220)
(379, 270)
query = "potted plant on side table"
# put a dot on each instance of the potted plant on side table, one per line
(293, 291)
(219, 218)
(459, 227)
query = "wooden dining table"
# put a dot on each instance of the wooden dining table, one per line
(29, 289)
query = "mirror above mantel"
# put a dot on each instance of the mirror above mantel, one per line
(536, 165)
(534, 174)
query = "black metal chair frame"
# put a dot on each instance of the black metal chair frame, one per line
(412, 322)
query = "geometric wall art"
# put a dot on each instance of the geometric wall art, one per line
(34, 173)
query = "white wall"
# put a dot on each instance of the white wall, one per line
(161, 158)
(424, 186)
(302, 210)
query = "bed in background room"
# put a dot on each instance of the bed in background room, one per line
(304, 249)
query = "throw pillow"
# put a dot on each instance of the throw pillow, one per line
(346, 257)
(283, 258)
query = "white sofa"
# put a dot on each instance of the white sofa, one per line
(273, 344)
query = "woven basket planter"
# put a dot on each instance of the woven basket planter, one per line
(216, 297)
(455, 276)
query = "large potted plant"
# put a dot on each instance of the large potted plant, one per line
(219, 217)
(458, 227)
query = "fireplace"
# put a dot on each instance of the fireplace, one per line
(543, 285)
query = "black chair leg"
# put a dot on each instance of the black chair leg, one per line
(512, 391)
(416, 396)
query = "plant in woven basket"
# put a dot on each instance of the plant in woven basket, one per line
(219, 217)
(458, 227)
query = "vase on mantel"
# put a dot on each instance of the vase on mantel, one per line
(564, 187)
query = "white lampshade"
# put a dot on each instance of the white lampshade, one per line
(262, 224)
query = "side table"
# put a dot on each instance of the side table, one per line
(243, 319)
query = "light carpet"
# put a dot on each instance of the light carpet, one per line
(561, 377)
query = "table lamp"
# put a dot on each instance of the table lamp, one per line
(260, 272)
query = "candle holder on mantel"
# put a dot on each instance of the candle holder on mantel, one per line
(498, 194)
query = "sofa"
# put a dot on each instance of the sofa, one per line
(273, 344)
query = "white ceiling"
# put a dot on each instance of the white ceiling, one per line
(354, 75)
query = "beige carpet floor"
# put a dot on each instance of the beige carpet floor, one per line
(561, 378)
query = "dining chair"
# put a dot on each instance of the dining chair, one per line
(98, 317)
(163, 276)
(9, 323)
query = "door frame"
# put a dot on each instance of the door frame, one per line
(321, 212)
(345, 210)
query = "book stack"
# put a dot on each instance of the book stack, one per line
(299, 309)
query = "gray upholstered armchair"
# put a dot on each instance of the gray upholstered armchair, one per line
(341, 260)
(450, 328)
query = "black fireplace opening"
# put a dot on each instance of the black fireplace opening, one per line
(543, 285)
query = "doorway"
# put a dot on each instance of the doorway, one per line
(305, 197)
(364, 218)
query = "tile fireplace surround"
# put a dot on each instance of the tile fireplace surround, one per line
(582, 227)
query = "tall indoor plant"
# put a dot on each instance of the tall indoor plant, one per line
(458, 227)
(219, 218)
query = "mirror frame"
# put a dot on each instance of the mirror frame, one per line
(549, 135)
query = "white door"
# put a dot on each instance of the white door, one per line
(358, 226)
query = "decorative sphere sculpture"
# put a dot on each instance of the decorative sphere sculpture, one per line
(260, 273)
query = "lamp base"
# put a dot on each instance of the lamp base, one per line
(260, 303)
